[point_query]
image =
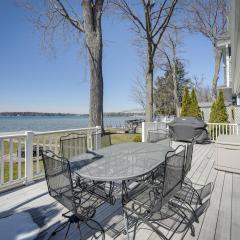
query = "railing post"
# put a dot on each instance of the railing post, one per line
(143, 131)
(98, 137)
(29, 158)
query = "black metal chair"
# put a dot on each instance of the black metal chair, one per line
(192, 193)
(80, 203)
(160, 136)
(72, 145)
(154, 204)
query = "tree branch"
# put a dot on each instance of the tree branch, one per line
(63, 12)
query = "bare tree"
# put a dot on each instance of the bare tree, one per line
(149, 19)
(209, 17)
(169, 50)
(138, 92)
(83, 17)
(203, 92)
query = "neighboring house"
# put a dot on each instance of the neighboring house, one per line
(230, 45)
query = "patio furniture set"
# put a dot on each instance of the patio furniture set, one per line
(149, 178)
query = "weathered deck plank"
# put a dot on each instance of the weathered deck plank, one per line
(211, 217)
(223, 229)
(235, 227)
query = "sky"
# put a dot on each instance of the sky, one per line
(32, 79)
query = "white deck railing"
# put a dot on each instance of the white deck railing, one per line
(214, 129)
(20, 161)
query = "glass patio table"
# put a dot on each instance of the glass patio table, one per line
(119, 162)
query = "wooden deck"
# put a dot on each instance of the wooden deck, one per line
(220, 221)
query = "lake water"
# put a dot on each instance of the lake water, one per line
(40, 123)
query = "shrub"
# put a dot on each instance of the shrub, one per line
(218, 115)
(186, 102)
(137, 138)
(218, 110)
(213, 112)
(194, 110)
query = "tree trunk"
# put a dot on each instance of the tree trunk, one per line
(176, 101)
(149, 93)
(93, 37)
(96, 82)
(218, 58)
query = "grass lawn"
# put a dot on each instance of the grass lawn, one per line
(123, 138)
(15, 169)
(116, 139)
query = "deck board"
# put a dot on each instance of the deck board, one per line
(221, 221)
(223, 229)
(235, 227)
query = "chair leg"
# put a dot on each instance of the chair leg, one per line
(181, 213)
(99, 225)
(148, 223)
(59, 228)
(78, 227)
(126, 224)
(69, 224)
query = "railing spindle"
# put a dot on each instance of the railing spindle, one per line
(44, 142)
(56, 144)
(37, 155)
(50, 142)
(11, 160)
(2, 160)
(19, 158)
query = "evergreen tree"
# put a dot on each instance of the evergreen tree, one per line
(182, 81)
(222, 115)
(218, 110)
(186, 103)
(163, 91)
(194, 110)
(213, 114)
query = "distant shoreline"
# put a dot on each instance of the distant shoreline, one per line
(42, 114)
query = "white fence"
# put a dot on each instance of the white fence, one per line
(20, 161)
(214, 129)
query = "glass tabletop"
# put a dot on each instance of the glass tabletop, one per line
(119, 162)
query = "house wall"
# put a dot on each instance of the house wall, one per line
(235, 43)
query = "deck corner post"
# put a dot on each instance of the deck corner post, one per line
(29, 157)
(143, 131)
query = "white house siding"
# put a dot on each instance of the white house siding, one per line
(235, 40)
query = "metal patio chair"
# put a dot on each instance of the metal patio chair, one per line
(72, 145)
(160, 136)
(192, 193)
(80, 203)
(153, 203)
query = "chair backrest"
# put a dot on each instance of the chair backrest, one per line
(173, 171)
(82, 201)
(72, 145)
(59, 180)
(188, 161)
(158, 135)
